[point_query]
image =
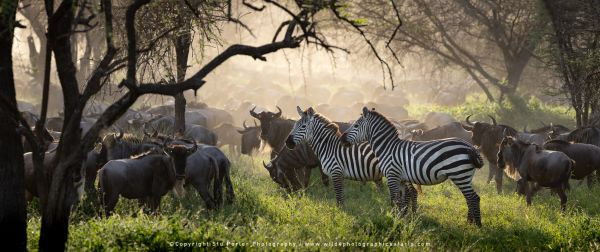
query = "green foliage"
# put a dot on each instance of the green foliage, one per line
(264, 213)
(514, 111)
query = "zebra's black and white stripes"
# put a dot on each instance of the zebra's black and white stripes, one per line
(425, 163)
(356, 163)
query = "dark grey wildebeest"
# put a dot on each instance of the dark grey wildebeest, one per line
(148, 176)
(291, 169)
(454, 129)
(487, 137)
(31, 181)
(532, 168)
(222, 171)
(250, 138)
(586, 157)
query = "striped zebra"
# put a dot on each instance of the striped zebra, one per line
(338, 162)
(423, 163)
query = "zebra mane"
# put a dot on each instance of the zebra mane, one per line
(328, 123)
(383, 118)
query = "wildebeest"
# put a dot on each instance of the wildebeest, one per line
(586, 157)
(436, 119)
(223, 166)
(454, 129)
(250, 138)
(201, 172)
(31, 182)
(201, 134)
(532, 167)
(588, 135)
(148, 176)
(227, 134)
(540, 135)
(275, 129)
(291, 169)
(487, 137)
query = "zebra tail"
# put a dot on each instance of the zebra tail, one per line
(476, 158)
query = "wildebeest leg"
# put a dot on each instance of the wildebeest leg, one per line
(590, 179)
(324, 178)
(109, 201)
(229, 187)
(492, 173)
(528, 192)
(306, 179)
(563, 197)
(203, 189)
(498, 178)
(154, 204)
(218, 188)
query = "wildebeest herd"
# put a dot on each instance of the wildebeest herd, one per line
(150, 159)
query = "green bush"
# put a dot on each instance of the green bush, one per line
(514, 111)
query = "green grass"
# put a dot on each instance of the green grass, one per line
(264, 213)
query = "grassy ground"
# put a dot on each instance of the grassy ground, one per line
(264, 213)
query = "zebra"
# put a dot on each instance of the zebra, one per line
(424, 163)
(338, 162)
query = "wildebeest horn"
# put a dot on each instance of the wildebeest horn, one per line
(255, 124)
(493, 120)
(244, 124)
(467, 120)
(120, 134)
(278, 114)
(265, 165)
(254, 114)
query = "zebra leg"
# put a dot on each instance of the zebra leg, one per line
(465, 185)
(412, 194)
(394, 186)
(405, 199)
(419, 189)
(379, 184)
(338, 187)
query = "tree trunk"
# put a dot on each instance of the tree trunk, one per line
(13, 215)
(182, 49)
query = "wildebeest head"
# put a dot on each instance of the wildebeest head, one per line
(510, 155)
(178, 154)
(484, 130)
(265, 118)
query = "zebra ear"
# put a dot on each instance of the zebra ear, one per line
(365, 111)
(310, 111)
(300, 112)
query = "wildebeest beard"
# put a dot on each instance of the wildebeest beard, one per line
(516, 153)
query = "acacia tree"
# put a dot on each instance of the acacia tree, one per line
(574, 50)
(476, 36)
(57, 190)
(12, 176)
